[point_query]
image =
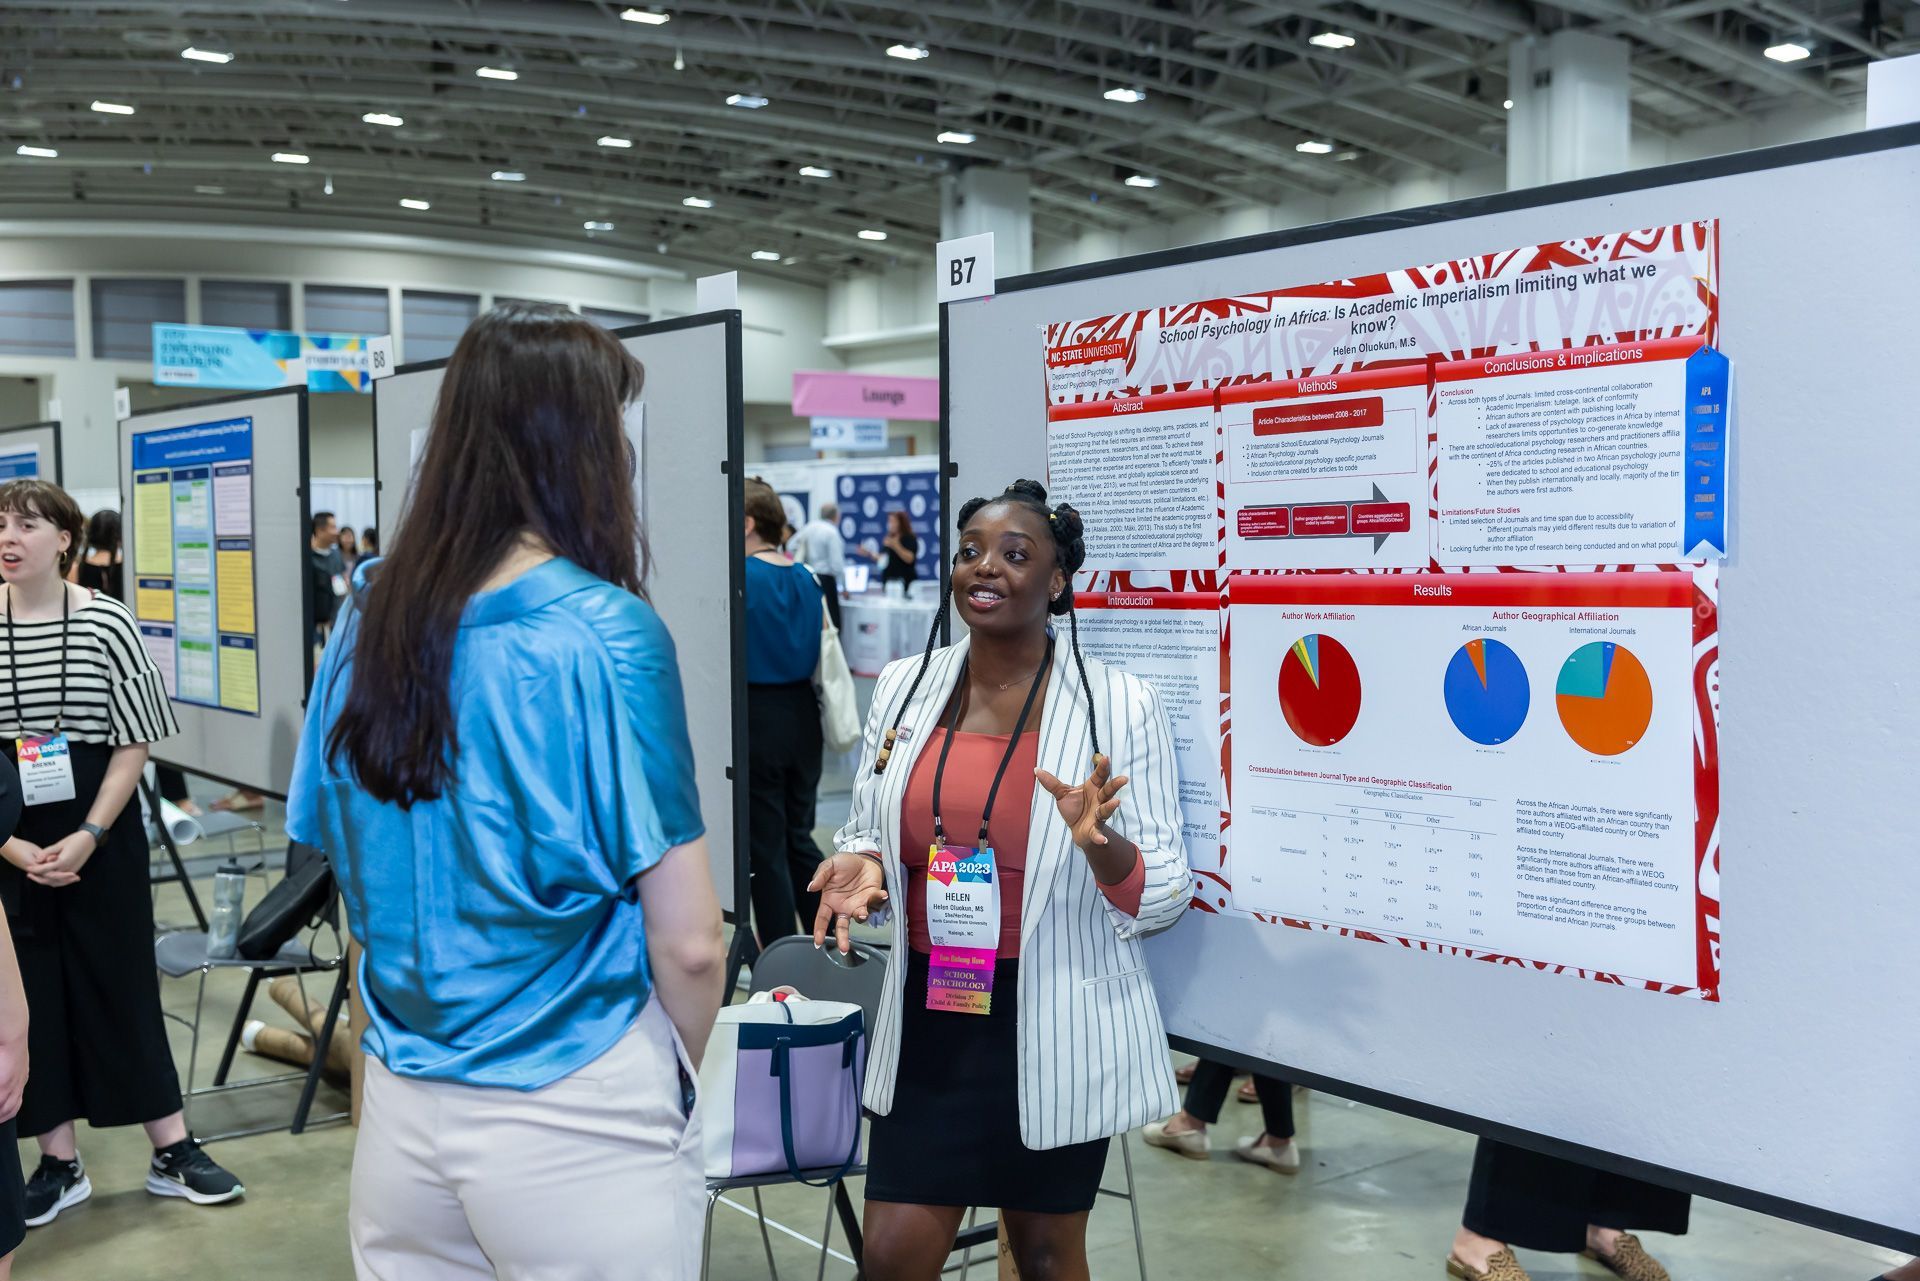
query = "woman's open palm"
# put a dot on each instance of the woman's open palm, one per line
(1088, 805)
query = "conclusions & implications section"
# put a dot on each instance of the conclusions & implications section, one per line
(1500, 762)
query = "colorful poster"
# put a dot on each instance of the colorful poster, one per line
(866, 500)
(1496, 764)
(259, 359)
(20, 464)
(195, 595)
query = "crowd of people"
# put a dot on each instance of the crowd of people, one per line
(543, 946)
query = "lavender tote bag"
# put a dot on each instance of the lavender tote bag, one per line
(780, 1089)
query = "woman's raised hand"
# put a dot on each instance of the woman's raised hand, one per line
(1090, 804)
(850, 887)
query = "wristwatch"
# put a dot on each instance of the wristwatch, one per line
(97, 832)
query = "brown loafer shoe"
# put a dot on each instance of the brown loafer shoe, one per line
(1501, 1267)
(1630, 1261)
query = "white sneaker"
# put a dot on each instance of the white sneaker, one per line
(1192, 1143)
(1283, 1160)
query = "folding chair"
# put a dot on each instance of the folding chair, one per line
(794, 962)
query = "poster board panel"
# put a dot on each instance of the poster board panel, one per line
(215, 502)
(687, 431)
(31, 450)
(1752, 1097)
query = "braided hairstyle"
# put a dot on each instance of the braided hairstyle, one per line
(1070, 552)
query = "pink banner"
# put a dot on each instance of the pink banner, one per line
(819, 394)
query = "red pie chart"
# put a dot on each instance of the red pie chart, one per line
(1319, 690)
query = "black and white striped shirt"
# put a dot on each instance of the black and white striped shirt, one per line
(113, 690)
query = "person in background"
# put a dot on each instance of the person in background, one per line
(1524, 1198)
(496, 761)
(326, 574)
(900, 552)
(349, 551)
(785, 617)
(820, 548)
(74, 877)
(369, 543)
(13, 1051)
(1186, 1131)
(100, 569)
(1012, 1101)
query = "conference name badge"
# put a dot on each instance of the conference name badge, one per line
(963, 917)
(46, 769)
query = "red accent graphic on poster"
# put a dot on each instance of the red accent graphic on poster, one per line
(1319, 690)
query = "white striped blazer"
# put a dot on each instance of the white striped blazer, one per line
(1092, 1050)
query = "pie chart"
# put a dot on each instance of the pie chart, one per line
(1486, 691)
(1319, 690)
(1605, 698)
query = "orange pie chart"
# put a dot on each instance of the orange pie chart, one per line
(1605, 698)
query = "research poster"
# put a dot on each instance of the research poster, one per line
(1165, 516)
(19, 463)
(1172, 640)
(195, 594)
(1500, 763)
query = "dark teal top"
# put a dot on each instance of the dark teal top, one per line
(784, 607)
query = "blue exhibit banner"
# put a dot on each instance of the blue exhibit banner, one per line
(854, 434)
(866, 500)
(203, 443)
(20, 464)
(258, 359)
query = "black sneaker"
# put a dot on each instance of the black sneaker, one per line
(186, 1170)
(54, 1186)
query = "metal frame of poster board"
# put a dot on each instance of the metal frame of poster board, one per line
(1782, 1097)
(262, 760)
(37, 432)
(682, 505)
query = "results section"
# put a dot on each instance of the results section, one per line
(1497, 762)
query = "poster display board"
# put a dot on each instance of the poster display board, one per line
(1461, 491)
(687, 435)
(30, 451)
(866, 501)
(215, 497)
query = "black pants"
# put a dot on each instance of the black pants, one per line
(830, 588)
(1545, 1203)
(173, 784)
(1208, 1090)
(783, 776)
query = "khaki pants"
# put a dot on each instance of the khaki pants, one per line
(596, 1176)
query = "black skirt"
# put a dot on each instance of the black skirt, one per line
(953, 1137)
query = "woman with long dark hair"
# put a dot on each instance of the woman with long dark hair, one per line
(1018, 1030)
(496, 760)
(100, 568)
(900, 555)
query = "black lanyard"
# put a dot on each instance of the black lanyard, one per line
(1013, 745)
(13, 670)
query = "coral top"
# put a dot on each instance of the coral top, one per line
(963, 795)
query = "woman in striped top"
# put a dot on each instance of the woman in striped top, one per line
(76, 683)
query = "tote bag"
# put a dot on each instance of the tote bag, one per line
(839, 710)
(780, 1088)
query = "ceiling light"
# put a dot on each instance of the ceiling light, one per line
(415, 204)
(1313, 147)
(697, 202)
(1331, 40)
(1506, 104)
(751, 101)
(597, 226)
(289, 158)
(1142, 180)
(112, 108)
(210, 191)
(868, 233)
(1788, 51)
(815, 171)
(765, 255)
(327, 188)
(610, 141)
(508, 175)
(497, 73)
(45, 153)
(652, 17)
(907, 52)
(1124, 94)
(205, 55)
(956, 137)
(382, 118)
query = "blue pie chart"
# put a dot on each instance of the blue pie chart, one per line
(1486, 691)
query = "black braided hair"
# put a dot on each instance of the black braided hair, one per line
(1070, 552)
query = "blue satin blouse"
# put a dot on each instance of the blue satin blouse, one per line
(502, 934)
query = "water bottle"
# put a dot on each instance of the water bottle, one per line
(229, 896)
